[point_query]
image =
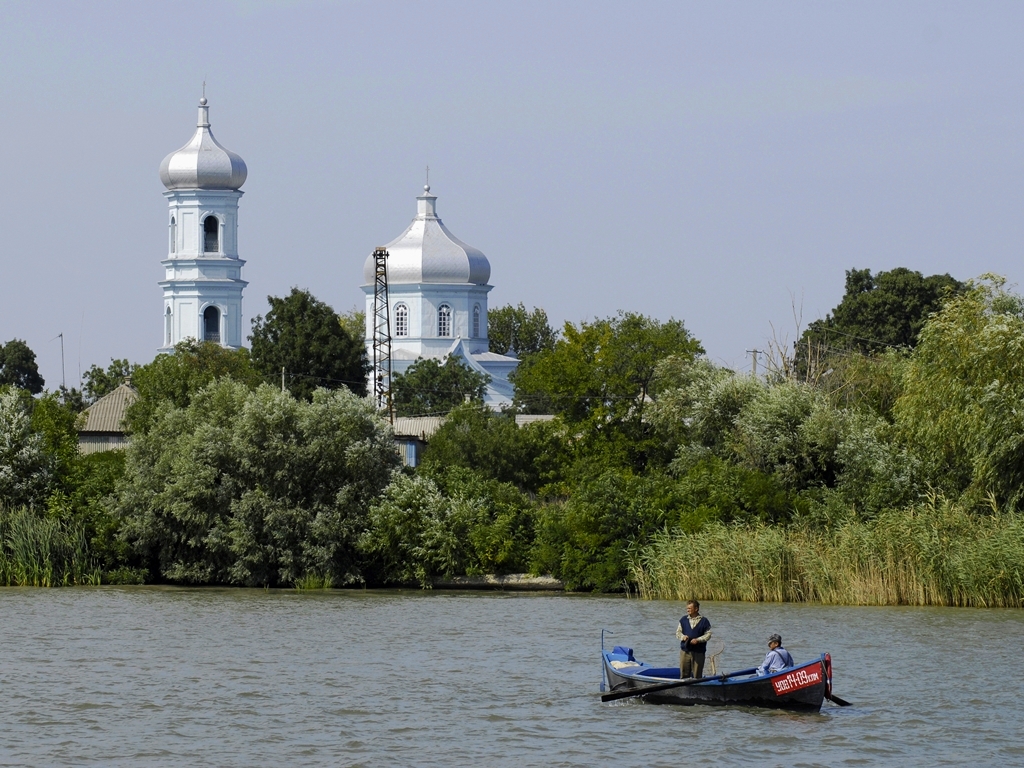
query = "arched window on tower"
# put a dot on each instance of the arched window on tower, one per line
(211, 235)
(168, 319)
(211, 325)
(401, 320)
(444, 321)
(476, 321)
(174, 235)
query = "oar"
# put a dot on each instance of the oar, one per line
(674, 684)
(841, 702)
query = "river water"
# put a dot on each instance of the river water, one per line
(155, 676)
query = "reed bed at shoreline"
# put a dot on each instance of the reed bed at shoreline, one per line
(936, 553)
(40, 551)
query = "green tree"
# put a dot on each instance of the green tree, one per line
(255, 487)
(309, 341)
(18, 367)
(963, 388)
(25, 468)
(354, 323)
(454, 524)
(477, 438)
(98, 382)
(521, 331)
(176, 377)
(885, 310)
(585, 541)
(428, 387)
(55, 422)
(600, 377)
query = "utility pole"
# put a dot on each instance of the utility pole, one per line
(382, 334)
(753, 358)
(282, 378)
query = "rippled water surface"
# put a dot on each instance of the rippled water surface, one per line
(150, 676)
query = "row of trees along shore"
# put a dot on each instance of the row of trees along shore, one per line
(879, 459)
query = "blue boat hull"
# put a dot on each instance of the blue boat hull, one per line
(800, 688)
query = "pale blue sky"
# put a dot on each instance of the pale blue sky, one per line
(705, 161)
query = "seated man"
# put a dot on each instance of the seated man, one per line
(777, 657)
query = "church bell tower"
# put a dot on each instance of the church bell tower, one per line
(203, 274)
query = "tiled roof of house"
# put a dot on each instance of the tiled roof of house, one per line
(417, 426)
(424, 427)
(107, 413)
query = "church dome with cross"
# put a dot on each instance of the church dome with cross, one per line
(427, 252)
(437, 300)
(203, 163)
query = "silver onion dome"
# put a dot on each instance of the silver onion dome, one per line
(427, 252)
(203, 163)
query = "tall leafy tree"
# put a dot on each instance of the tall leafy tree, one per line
(600, 377)
(98, 382)
(308, 340)
(18, 366)
(354, 323)
(427, 387)
(477, 438)
(888, 309)
(175, 378)
(962, 395)
(255, 487)
(25, 468)
(515, 329)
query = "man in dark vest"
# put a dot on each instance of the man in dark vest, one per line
(693, 634)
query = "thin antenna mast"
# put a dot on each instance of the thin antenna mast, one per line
(63, 378)
(382, 334)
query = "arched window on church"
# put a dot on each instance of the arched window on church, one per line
(401, 320)
(168, 317)
(211, 325)
(444, 321)
(174, 235)
(476, 321)
(211, 235)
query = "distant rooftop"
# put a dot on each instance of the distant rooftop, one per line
(106, 415)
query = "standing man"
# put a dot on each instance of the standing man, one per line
(693, 634)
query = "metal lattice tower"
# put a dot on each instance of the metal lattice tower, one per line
(381, 334)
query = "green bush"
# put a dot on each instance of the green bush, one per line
(489, 443)
(584, 541)
(254, 487)
(25, 468)
(960, 408)
(710, 489)
(462, 524)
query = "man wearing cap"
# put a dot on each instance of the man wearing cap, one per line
(777, 657)
(693, 634)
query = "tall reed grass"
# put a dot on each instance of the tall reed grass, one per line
(38, 551)
(936, 553)
(312, 581)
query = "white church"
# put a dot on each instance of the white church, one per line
(438, 285)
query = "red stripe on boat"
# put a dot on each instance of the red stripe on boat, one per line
(797, 679)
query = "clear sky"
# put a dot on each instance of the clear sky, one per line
(712, 162)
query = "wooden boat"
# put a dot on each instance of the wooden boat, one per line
(802, 687)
